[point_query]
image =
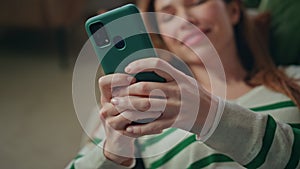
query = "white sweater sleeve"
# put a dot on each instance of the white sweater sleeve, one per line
(92, 157)
(255, 140)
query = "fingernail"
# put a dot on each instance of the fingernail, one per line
(128, 69)
(129, 129)
(114, 101)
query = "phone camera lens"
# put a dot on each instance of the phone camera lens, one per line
(99, 34)
(119, 42)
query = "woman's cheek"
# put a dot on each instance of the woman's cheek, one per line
(169, 29)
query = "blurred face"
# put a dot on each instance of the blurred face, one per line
(213, 18)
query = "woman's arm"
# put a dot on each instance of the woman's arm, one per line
(256, 140)
(92, 156)
(109, 148)
(251, 139)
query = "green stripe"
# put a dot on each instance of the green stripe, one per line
(72, 166)
(156, 139)
(274, 106)
(173, 152)
(267, 142)
(214, 158)
(295, 156)
(77, 157)
(96, 140)
(295, 125)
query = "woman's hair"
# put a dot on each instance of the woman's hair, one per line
(251, 36)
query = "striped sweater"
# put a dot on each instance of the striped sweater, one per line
(261, 129)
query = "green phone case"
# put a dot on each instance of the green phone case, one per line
(124, 22)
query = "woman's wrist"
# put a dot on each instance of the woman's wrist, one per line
(208, 109)
(125, 161)
(212, 119)
(121, 160)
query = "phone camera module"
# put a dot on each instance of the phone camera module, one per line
(99, 34)
(119, 42)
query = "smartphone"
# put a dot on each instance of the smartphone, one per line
(119, 37)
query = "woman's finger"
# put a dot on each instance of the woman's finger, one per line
(130, 134)
(118, 122)
(107, 111)
(141, 117)
(112, 118)
(150, 89)
(149, 128)
(159, 66)
(108, 82)
(141, 104)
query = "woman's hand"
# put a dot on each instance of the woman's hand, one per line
(118, 147)
(119, 144)
(181, 102)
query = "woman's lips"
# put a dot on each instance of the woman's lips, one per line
(194, 38)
